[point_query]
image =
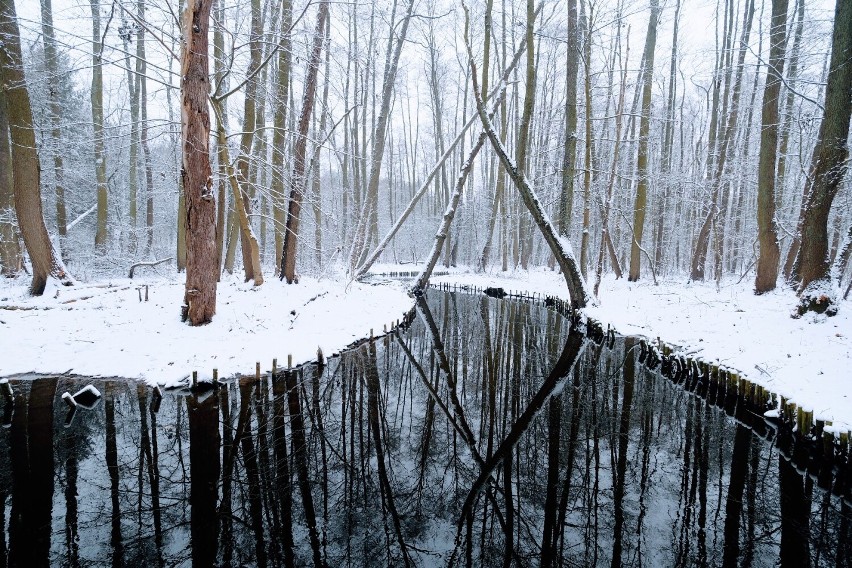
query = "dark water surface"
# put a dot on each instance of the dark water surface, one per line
(487, 434)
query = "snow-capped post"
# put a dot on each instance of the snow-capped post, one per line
(559, 246)
(69, 400)
(6, 388)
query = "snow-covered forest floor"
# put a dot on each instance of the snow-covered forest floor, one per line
(808, 360)
(103, 329)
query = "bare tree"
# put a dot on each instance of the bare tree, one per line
(97, 97)
(828, 164)
(642, 165)
(201, 256)
(298, 180)
(26, 175)
(770, 253)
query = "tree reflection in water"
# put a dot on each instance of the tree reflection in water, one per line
(489, 433)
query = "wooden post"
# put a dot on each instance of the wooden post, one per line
(194, 379)
(274, 367)
(215, 376)
(146, 292)
(257, 371)
(290, 361)
(6, 387)
(320, 357)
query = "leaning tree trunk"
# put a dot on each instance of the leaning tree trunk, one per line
(644, 136)
(25, 167)
(201, 256)
(828, 165)
(298, 181)
(770, 253)
(559, 246)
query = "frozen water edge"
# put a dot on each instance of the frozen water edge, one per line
(102, 329)
(806, 360)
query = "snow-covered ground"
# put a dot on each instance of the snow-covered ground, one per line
(104, 330)
(808, 360)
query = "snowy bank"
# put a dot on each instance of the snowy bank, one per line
(104, 329)
(807, 360)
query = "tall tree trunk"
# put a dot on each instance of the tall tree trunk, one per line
(524, 128)
(52, 67)
(569, 157)
(792, 74)
(201, 257)
(587, 163)
(282, 94)
(97, 98)
(247, 239)
(767, 234)
(298, 180)
(10, 250)
(25, 167)
(644, 135)
(126, 32)
(142, 91)
(828, 164)
(668, 142)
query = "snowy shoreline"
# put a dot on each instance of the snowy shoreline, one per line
(103, 329)
(805, 360)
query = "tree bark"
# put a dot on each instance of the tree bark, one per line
(569, 157)
(97, 98)
(767, 234)
(26, 176)
(299, 180)
(201, 256)
(279, 134)
(52, 67)
(828, 165)
(10, 250)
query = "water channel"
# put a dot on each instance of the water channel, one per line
(487, 433)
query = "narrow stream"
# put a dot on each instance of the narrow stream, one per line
(488, 433)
